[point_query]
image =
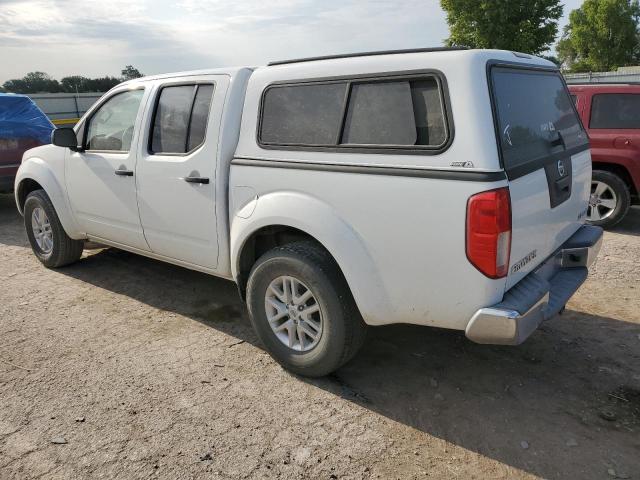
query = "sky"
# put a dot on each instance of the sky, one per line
(97, 38)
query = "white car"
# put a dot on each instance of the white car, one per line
(438, 187)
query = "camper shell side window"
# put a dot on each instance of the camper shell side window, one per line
(385, 114)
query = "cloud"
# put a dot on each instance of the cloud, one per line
(93, 37)
(256, 32)
(88, 38)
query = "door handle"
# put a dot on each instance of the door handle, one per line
(124, 173)
(202, 180)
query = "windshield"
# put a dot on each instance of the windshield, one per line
(535, 114)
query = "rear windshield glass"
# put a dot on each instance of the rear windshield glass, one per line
(535, 114)
(615, 110)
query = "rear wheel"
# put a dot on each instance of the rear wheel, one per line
(609, 200)
(49, 242)
(302, 309)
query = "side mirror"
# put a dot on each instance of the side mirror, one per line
(64, 137)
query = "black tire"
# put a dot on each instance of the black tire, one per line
(343, 330)
(65, 250)
(623, 197)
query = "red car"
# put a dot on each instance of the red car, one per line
(22, 126)
(611, 115)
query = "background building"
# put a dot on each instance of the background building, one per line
(621, 75)
(64, 108)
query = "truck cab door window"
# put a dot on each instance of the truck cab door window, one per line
(172, 119)
(111, 127)
(180, 120)
(199, 116)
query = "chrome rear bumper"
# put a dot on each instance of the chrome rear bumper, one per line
(540, 295)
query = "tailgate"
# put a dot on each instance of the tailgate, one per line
(545, 153)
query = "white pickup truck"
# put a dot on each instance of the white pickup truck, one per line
(438, 187)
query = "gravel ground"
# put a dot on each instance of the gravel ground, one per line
(124, 367)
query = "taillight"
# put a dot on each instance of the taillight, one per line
(489, 232)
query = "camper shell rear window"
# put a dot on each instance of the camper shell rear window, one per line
(535, 117)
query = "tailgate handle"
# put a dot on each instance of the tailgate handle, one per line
(563, 184)
(559, 175)
(562, 189)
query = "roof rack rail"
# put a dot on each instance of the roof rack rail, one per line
(367, 54)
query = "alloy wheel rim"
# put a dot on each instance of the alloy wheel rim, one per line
(41, 227)
(293, 313)
(602, 202)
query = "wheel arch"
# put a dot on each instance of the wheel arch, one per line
(267, 227)
(619, 169)
(24, 188)
(35, 174)
(261, 241)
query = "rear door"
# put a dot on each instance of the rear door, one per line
(614, 126)
(545, 153)
(177, 169)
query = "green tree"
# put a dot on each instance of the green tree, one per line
(40, 82)
(528, 26)
(602, 35)
(75, 83)
(102, 84)
(129, 73)
(33, 82)
(16, 85)
(80, 84)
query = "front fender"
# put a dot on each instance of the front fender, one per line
(49, 175)
(319, 220)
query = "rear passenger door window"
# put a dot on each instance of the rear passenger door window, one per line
(199, 116)
(180, 119)
(615, 111)
(403, 113)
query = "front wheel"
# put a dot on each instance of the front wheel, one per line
(609, 201)
(302, 310)
(49, 242)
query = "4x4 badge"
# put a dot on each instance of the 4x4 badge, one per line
(561, 170)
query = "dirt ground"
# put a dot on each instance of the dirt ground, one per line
(124, 367)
